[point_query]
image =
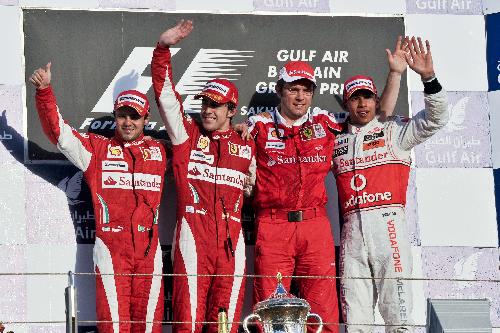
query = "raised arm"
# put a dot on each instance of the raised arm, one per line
(168, 100)
(72, 144)
(435, 116)
(397, 65)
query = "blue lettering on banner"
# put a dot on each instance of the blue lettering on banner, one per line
(493, 51)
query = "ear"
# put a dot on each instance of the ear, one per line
(231, 113)
(146, 119)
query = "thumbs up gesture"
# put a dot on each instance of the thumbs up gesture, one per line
(41, 77)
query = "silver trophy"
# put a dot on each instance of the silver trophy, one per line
(282, 313)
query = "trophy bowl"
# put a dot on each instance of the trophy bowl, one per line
(282, 313)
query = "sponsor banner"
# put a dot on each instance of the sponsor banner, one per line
(463, 263)
(449, 199)
(60, 206)
(493, 50)
(491, 6)
(13, 288)
(216, 175)
(496, 176)
(368, 6)
(314, 6)
(11, 128)
(411, 210)
(457, 7)
(494, 105)
(138, 4)
(465, 141)
(240, 52)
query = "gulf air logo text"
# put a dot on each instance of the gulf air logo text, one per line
(358, 183)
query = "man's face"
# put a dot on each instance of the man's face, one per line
(296, 98)
(215, 116)
(129, 124)
(362, 106)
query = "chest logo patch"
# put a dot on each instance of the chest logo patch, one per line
(115, 152)
(151, 154)
(315, 131)
(203, 144)
(340, 151)
(373, 144)
(272, 135)
(240, 151)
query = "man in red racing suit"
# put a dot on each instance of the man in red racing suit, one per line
(293, 230)
(211, 162)
(125, 175)
(371, 165)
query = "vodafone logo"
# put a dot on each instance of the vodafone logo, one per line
(358, 182)
(361, 198)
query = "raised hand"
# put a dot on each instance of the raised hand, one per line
(177, 33)
(420, 58)
(397, 59)
(41, 77)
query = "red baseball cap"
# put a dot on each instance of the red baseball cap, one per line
(135, 99)
(297, 70)
(220, 91)
(358, 82)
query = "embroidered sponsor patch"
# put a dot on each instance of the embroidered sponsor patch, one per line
(197, 155)
(203, 144)
(314, 131)
(240, 151)
(189, 209)
(275, 145)
(373, 144)
(115, 152)
(214, 175)
(272, 135)
(141, 181)
(114, 165)
(340, 151)
(151, 154)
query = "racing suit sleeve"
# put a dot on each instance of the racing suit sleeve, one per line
(75, 146)
(428, 121)
(167, 98)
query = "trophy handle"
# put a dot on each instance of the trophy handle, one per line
(245, 321)
(320, 326)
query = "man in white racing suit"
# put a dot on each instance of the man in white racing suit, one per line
(371, 164)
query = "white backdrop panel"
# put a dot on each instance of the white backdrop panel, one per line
(11, 41)
(458, 47)
(457, 207)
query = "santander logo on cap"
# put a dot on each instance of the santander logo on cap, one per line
(297, 70)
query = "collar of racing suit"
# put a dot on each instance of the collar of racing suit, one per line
(355, 129)
(278, 118)
(139, 139)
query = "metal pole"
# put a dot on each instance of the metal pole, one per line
(71, 309)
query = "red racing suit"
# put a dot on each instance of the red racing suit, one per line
(293, 230)
(371, 166)
(126, 181)
(210, 170)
